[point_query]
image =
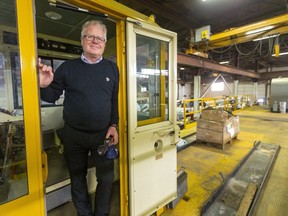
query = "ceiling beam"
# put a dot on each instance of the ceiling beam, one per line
(238, 35)
(270, 75)
(112, 8)
(168, 14)
(195, 61)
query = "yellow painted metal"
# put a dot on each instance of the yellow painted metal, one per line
(110, 7)
(149, 121)
(188, 131)
(196, 52)
(44, 166)
(162, 97)
(162, 81)
(237, 35)
(277, 50)
(123, 148)
(161, 211)
(33, 203)
(228, 103)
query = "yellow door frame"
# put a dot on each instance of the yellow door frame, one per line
(119, 13)
(33, 202)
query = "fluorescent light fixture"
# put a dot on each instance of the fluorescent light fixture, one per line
(263, 38)
(284, 53)
(259, 30)
(224, 62)
(182, 68)
(53, 15)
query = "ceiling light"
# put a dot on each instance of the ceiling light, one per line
(263, 38)
(284, 53)
(259, 30)
(182, 68)
(224, 62)
(53, 15)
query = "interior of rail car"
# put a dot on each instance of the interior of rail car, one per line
(33, 169)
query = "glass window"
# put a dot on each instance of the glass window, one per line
(219, 86)
(54, 63)
(152, 80)
(13, 165)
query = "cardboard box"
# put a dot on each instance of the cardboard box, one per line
(215, 115)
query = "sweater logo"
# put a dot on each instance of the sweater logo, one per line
(107, 79)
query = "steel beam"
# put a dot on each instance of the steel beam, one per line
(113, 8)
(270, 75)
(238, 35)
(190, 60)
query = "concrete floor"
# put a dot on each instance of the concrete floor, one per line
(204, 163)
(68, 208)
(274, 129)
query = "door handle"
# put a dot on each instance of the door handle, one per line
(170, 132)
(44, 166)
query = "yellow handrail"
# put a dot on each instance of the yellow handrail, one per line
(228, 103)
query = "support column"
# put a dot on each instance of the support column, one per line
(255, 91)
(197, 92)
(235, 87)
(267, 91)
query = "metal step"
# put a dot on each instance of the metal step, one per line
(241, 189)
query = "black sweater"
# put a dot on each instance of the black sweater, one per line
(91, 93)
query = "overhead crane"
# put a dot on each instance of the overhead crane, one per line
(272, 27)
(277, 25)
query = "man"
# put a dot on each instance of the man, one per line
(90, 114)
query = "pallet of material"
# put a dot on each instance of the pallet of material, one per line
(215, 115)
(217, 127)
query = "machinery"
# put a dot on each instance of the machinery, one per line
(278, 96)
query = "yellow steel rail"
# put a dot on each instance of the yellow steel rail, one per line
(230, 103)
(279, 25)
(110, 7)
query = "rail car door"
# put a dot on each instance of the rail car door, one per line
(152, 129)
(21, 181)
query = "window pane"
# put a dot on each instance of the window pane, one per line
(152, 79)
(13, 166)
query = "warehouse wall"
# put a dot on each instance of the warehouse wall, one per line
(244, 88)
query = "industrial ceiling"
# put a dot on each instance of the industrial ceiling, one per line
(185, 16)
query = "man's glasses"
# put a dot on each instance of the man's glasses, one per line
(94, 38)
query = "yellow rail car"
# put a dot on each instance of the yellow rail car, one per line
(33, 176)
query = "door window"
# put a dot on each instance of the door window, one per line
(152, 80)
(13, 164)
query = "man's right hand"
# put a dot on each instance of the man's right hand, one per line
(45, 74)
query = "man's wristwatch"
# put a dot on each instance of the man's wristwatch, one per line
(114, 125)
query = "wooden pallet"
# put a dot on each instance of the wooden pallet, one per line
(216, 144)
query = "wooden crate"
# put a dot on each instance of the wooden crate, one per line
(215, 115)
(218, 132)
